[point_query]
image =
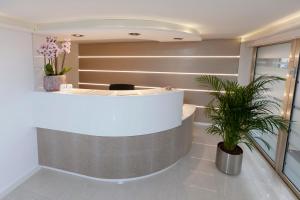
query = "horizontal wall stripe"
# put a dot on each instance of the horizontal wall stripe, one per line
(204, 107)
(153, 72)
(224, 47)
(201, 107)
(152, 80)
(91, 57)
(224, 66)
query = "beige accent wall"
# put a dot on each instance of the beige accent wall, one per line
(71, 60)
(193, 93)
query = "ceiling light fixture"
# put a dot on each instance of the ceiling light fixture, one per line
(134, 34)
(77, 35)
(178, 38)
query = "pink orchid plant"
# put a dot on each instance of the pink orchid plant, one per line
(50, 51)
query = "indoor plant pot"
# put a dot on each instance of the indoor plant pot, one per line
(236, 112)
(229, 162)
(52, 83)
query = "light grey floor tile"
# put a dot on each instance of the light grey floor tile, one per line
(194, 177)
(23, 194)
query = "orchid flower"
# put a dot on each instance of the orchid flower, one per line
(50, 51)
(66, 46)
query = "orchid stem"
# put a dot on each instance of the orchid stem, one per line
(55, 64)
(63, 61)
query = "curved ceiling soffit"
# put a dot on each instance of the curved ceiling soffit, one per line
(149, 29)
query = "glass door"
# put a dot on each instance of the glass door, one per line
(273, 60)
(292, 158)
(283, 60)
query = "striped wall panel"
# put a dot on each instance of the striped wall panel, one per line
(101, 64)
(153, 80)
(204, 65)
(203, 48)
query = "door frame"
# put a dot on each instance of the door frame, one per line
(290, 86)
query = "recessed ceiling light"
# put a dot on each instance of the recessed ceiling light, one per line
(77, 35)
(134, 34)
(178, 38)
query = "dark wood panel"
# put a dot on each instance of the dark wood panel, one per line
(206, 47)
(155, 80)
(220, 65)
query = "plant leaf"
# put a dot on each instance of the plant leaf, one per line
(264, 141)
(48, 69)
(65, 70)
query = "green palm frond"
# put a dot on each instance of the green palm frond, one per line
(213, 81)
(236, 111)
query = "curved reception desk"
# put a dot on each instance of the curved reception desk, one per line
(112, 134)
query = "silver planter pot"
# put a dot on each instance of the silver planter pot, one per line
(227, 163)
(52, 83)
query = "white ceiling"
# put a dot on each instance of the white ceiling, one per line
(212, 18)
(119, 29)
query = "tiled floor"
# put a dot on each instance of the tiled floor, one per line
(193, 177)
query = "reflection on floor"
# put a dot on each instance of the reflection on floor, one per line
(193, 177)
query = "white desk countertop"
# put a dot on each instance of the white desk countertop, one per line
(109, 113)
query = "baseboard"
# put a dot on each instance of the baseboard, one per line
(18, 182)
(118, 181)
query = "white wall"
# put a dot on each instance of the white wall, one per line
(245, 62)
(18, 146)
(38, 61)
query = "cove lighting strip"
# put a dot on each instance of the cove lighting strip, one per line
(150, 87)
(204, 107)
(201, 107)
(153, 72)
(80, 57)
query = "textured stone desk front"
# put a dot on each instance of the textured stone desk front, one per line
(114, 157)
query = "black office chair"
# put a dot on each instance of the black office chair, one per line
(120, 86)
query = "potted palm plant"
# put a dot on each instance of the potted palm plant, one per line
(54, 72)
(236, 112)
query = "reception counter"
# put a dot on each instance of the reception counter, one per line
(112, 134)
(109, 113)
